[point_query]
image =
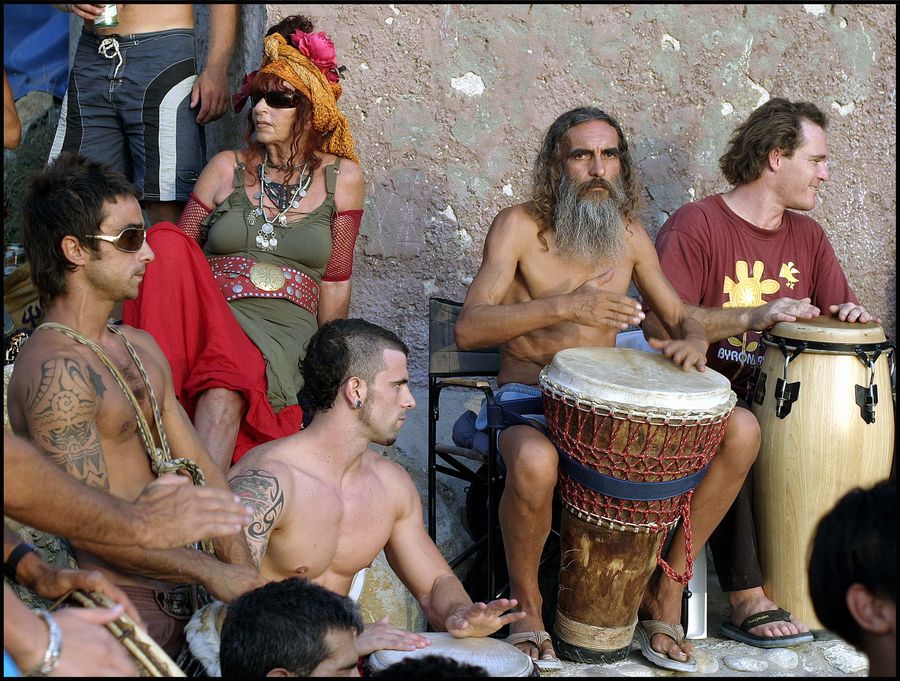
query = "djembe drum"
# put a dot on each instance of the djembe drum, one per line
(497, 657)
(635, 434)
(823, 398)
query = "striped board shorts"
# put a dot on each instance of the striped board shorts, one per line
(128, 105)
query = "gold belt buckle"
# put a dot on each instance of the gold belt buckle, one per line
(267, 276)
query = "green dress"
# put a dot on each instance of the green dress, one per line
(278, 327)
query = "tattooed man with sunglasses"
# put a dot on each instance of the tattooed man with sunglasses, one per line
(98, 399)
(262, 254)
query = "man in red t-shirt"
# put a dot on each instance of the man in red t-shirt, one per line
(750, 262)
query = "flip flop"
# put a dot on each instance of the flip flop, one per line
(742, 633)
(536, 638)
(647, 629)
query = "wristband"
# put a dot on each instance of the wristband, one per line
(51, 655)
(17, 554)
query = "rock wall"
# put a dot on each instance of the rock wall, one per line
(448, 104)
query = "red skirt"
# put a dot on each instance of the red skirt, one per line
(181, 307)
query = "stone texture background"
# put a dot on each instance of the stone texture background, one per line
(448, 105)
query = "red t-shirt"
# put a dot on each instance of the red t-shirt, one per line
(715, 258)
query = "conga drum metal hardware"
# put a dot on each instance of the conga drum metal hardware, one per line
(832, 433)
(635, 435)
(497, 657)
(786, 393)
(149, 658)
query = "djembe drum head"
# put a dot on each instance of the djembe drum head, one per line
(497, 657)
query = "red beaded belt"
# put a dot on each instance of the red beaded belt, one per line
(240, 277)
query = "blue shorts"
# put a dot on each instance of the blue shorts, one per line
(128, 105)
(512, 392)
(507, 394)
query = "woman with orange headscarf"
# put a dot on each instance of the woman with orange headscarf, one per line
(277, 222)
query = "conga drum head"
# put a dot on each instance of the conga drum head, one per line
(497, 657)
(826, 330)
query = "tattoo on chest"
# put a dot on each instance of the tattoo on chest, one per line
(263, 492)
(63, 417)
(97, 382)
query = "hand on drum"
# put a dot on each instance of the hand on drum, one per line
(781, 310)
(54, 582)
(175, 513)
(384, 636)
(687, 354)
(851, 312)
(89, 649)
(591, 305)
(482, 619)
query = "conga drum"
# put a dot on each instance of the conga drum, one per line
(498, 658)
(823, 398)
(635, 435)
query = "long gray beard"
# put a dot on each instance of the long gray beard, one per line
(592, 226)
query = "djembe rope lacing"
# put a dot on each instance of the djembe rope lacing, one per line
(645, 447)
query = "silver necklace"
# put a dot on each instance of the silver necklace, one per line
(265, 238)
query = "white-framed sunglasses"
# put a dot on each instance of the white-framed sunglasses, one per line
(130, 239)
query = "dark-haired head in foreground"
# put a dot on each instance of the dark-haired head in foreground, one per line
(853, 573)
(290, 628)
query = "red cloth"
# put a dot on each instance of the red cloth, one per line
(181, 307)
(710, 255)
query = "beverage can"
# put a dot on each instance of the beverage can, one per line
(108, 18)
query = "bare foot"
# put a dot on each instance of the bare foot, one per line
(662, 601)
(749, 602)
(530, 625)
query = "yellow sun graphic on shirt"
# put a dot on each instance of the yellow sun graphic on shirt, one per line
(747, 292)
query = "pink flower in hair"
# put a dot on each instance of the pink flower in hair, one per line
(320, 51)
(240, 97)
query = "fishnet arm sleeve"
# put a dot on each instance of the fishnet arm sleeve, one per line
(344, 230)
(192, 217)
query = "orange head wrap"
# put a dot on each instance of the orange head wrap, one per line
(286, 62)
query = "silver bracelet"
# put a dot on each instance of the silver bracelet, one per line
(51, 655)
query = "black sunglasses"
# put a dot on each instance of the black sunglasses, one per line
(130, 239)
(277, 100)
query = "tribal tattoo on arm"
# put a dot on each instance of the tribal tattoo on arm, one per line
(62, 419)
(264, 494)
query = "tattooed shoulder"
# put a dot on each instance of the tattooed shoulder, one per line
(62, 410)
(262, 491)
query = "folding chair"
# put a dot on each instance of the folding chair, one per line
(450, 367)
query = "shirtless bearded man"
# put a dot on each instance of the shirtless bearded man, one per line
(554, 275)
(325, 504)
(85, 239)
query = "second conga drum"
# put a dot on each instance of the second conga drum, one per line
(635, 434)
(826, 415)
